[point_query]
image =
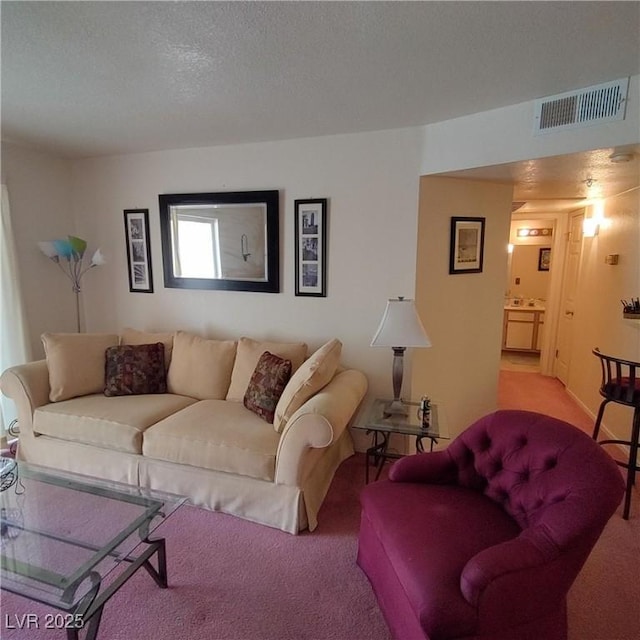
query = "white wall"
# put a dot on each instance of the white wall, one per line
(506, 135)
(371, 181)
(39, 188)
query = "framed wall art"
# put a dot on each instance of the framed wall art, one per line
(136, 226)
(467, 245)
(311, 247)
(544, 259)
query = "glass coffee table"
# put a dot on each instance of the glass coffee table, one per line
(374, 419)
(62, 535)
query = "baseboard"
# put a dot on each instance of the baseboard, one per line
(609, 435)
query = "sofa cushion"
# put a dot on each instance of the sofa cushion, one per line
(218, 435)
(109, 423)
(135, 370)
(313, 375)
(249, 352)
(266, 385)
(134, 336)
(76, 363)
(200, 368)
(428, 560)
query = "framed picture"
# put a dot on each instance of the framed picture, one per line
(136, 227)
(544, 259)
(467, 245)
(311, 247)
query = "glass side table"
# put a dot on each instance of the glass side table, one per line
(374, 419)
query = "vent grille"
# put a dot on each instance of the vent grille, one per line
(601, 103)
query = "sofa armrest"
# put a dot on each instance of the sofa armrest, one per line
(28, 386)
(319, 422)
(435, 467)
(495, 579)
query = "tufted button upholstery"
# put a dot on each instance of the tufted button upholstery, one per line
(511, 457)
(483, 540)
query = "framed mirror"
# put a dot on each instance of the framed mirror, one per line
(227, 240)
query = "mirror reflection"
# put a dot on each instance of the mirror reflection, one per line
(528, 279)
(221, 240)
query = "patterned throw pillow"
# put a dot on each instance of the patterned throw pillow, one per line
(267, 383)
(135, 369)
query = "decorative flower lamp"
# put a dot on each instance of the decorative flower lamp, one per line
(69, 256)
(400, 328)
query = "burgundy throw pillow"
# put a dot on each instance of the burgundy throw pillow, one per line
(267, 383)
(135, 369)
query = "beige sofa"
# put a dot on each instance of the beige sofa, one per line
(197, 439)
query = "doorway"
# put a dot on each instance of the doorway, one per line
(526, 293)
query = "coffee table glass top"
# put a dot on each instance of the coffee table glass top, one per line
(375, 418)
(61, 533)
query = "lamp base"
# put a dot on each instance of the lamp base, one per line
(396, 408)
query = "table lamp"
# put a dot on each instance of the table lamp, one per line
(399, 328)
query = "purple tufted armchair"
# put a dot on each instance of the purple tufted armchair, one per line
(484, 539)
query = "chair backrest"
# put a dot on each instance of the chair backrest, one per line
(620, 382)
(542, 471)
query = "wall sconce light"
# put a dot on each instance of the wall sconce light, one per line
(525, 232)
(244, 246)
(590, 227)
(510, 248)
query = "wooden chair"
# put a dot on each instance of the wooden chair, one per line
(621, 383)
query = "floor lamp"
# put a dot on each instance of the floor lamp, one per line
(68, 254)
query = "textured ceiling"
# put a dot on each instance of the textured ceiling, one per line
(95, 78)
(562, 183)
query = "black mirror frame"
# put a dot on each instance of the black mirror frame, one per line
(272, 201)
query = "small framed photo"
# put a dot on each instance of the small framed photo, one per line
(311, 247)
(136, 226)
(544, 259)
(467, 245)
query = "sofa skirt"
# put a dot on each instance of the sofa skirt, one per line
(286, 507)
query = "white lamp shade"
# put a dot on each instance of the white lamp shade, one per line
(400, 326)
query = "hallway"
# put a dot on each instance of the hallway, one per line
(535, 392)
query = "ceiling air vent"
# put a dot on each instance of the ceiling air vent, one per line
(600, 103)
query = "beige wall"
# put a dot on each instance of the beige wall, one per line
(598, 312)
(39, 187)
(524, 265)
(462, 313)
(371, 181)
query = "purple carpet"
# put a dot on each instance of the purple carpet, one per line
(234, 580)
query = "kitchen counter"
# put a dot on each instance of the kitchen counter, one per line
(525, 307)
